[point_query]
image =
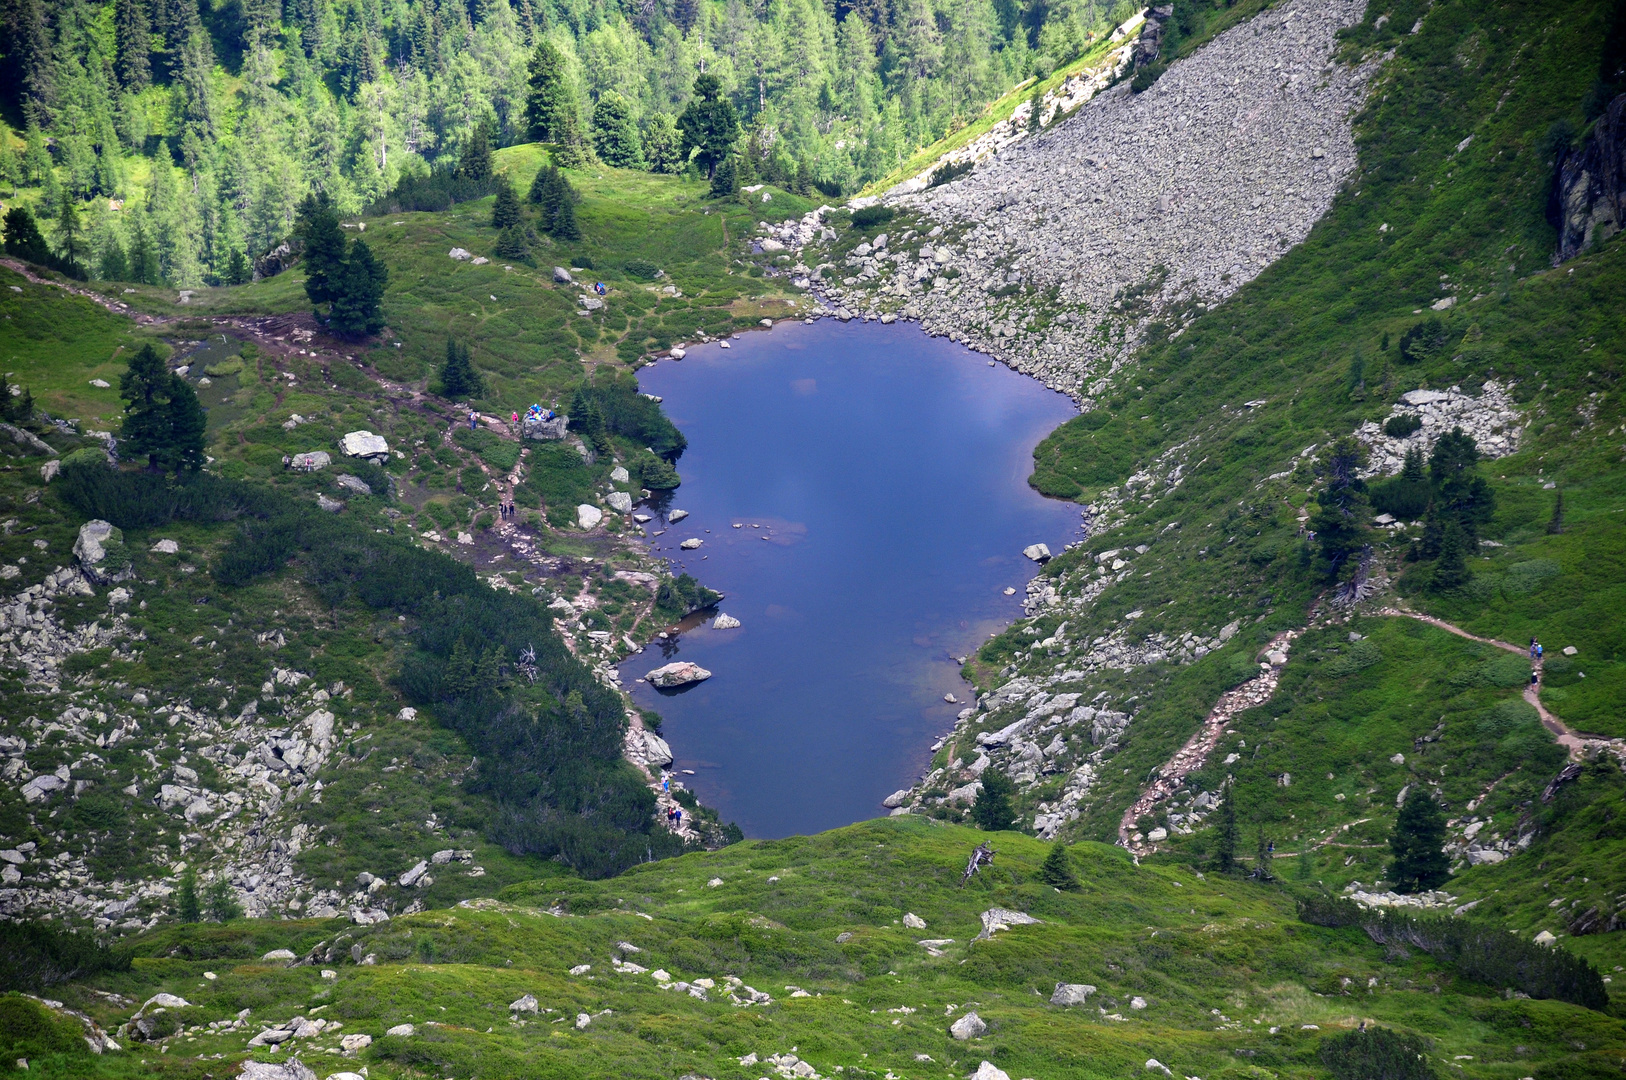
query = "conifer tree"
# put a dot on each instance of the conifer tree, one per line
(187, 908)
(1226, 841)
(725, 181)
(355, 308)
(23, 238)
(512, 243)
(458, 377)
(221, 904)
(115, 265)
(556, 199)
(505, 212)
(475, 163)
(68, 232)
(1555, 524)
(162, 418)
(615, 136)
(709, 125)
(662, 143)
(549, 98)
(324, 242)
(1451, 565)
(1057, 869)
(132, 44)
(992, 811)
(1262, 859)
(1418, 843)
(238, 271)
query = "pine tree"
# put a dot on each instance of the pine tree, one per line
(187, 908)
(324, 243)
(615, 136)
(725, 181)
(1418, 843)
(992, 811)
(23, 237)
(475, 164)
(237, 268)
(221, 903)
(1451, 566)
(115, 265)
(355, 308)
(709, 125)
(1226, 841)
(1262, 859)
(661, 144)
(506, 212)
(1555, 524)
(549, 99)
(458, 378)
(133, 45)
(1057, 869)
(557, 200)
(163, 420)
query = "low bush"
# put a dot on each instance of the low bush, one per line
(1376, 1054)
(950, 170)
(36, 955)
(30, 1030)
(871, 216)
(1402, 425)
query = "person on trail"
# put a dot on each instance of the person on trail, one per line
(474, 420)
(1532, 648)
(514, 419)
(1535, 679)
(1539, 652)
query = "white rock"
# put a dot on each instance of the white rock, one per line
(691, 543)
(98, 549)
(969, 1026)
(408, 713)
(410, 878)
(364, 444)
(1570, 650)
(657, 751)
(280, 954)
(619, 475)
(678, 673)
(1398, 759)
(401, 1030)
(1137, 1002)
(1154, 1065)
(561, 275)
(619, 501)
(166, 547)
(714, 883)
(1071, 994)
(582, 1020)
(1037, 552)
(288, 1070)
(1545, 938)
(588, 516)
(913, 921)
(724, 621)
(1158, 834)
(997, 919)
(581, 969)
(676, 516)
(896, 799)
(989, 1071)
(526, 1004)
(165, 1001)
(459, 254)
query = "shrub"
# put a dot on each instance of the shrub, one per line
(36, 955)
(643, 269)
(677, 598)
(1376, 1054)
(950, 170)
(30, 1030)
(992, 811)
(871, 216)
(1401, 425)
(1423, 341)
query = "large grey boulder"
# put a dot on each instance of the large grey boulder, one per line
(619, 501)
(656, 750)
(284, 1070)
(678, 673)
(561, 275)
(588, 516)
(1071, 994)
(101, 553)
(969, 1026)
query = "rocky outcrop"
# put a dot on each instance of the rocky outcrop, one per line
(679, 673)
(1491, 418)
(1588, 201)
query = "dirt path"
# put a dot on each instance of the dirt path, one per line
(1575, 742)
(1194, 754)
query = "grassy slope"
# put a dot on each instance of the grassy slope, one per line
(1219, 962)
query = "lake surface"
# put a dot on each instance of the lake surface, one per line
(880, 479)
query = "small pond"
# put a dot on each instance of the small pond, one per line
(878, 477)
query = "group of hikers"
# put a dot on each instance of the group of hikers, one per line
(1535, 658)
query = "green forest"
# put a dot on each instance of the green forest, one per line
(172, 141)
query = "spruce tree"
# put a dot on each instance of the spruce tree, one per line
(132, 45)
(23, 238)
(475, 164)
(458, 377)
(1226, 841)
(1341, 520)
(1418, 843)
(512, 243)
(709, 125)
(506, 212)
(238, 271)
(187, 908)
(355, 308)
(661, 144)
(1057, 869)
(615, 136)
(725, 181)
(68, 231)
(115, 264)
(324, 242)
(163, 420)
(992, 811)
(1555, 524)
(1451, 567)
(1262, 859)
(219, 901)
(549, 99)
(557, 200)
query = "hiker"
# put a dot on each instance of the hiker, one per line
(1532, 648)
(474, 420)
(515, 418)
(1539, 652)
(1535, 678)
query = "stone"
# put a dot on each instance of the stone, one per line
(41, 786)
(286, 1070)
(581, 969)
(969, 1026)
(997, 919)
(1546, 938)
(619, 475)
(989, 1071)
(1158, 834)
(691, 543)
(1570, 650)
(913, 921)
(588, 516)
(1071, 994)
(280, 954)
(657, 751)
(353, 483)
(466, 539)
(401, 1030)
(1485, 857)
(896, 799)
(310, 461)
(460, 254)
(165, 547)
(1154, 1065)
(619, 501)
(100, 551)
(526, 1004)
(1398, 759)
(49, 470)
(1137, 1003)
(561, 275)
(165, 1001)
(410, 878)
(1037, 552)
(724, 621)
(582, 1020)
(332, 506)
(678, 673)
(364, 444)
(676, 516)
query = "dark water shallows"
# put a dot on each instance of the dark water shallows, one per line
(887, 474)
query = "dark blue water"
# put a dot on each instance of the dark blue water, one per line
(887, 474)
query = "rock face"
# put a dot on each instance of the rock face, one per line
(1588, 202)
(679, 673)
(1136, 206)
(101, 554)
